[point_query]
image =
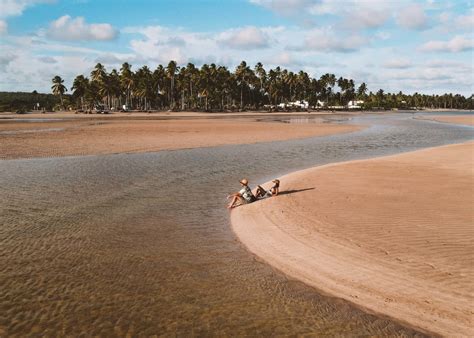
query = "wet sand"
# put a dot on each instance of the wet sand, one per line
(457, 119)
(86, 137)
(127, 245)
(393, 235)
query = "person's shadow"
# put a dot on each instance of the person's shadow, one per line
(287, 192)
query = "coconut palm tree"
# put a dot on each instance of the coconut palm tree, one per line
(58, 88)
(362, 91)
(115, 89)
(99, 73)
(127, 82)
(159, 85)
(204, 84)
(171, 70)
(214, 86)
(243, 74)
(328, 80)
(80, 87)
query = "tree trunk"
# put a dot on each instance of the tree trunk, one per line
(172, 96)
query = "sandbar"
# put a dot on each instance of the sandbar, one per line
(467, 120)
(393, 235)
(93, 137)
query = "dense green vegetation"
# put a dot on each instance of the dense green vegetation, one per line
(212, 87)
(21, 101)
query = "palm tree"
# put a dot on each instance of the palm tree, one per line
(303, 85)
(58, 88)
(115, 89)
(144, 88)
(127, 82)
(171, 72)
(98, 73)
(328, 80)
(80, 87)
(362, 91)
(159, 84)
(380, 97)
(204, 84)
(243, 73)
(217, 87)
(261, 74)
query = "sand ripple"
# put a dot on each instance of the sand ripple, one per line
(394, 235)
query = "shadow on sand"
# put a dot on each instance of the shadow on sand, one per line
(287, 192)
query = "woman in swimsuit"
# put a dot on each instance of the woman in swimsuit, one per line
(274, 190)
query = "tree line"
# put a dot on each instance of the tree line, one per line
(212, 87)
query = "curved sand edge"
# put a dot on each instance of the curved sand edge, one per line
(466, 120)
(393, 235)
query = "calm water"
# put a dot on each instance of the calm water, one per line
(141, 243)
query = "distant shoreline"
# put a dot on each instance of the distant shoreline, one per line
(192, 114)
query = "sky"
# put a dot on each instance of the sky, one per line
(423, 46)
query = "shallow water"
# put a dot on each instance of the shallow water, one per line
(30, 131)
(141, 243)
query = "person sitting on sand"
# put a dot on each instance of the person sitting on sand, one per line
(244, 196)
(274, 190)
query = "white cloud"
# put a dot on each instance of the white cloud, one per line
(74, 29)
(115, 58)
(445, 18)
(3, 27)
(354, 13)
(465, 22)
(244, 38)
(398, 63)
(21, 69)
(453, 65)
(325, 40)
(413, 17)
(449, 23)
(367, 17)
(423, 74)
(158, 44)
(6, 57)
(456, 44)
(284, 59)
(16, 7)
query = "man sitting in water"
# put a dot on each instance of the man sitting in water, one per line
(274, 190)
(244, 196)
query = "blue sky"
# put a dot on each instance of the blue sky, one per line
(414, 46)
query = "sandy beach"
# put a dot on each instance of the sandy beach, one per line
(87, 137)
(393, 235)
(457, 119)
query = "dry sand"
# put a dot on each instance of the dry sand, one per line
(86, 137)
(393, 235)
(457, 119)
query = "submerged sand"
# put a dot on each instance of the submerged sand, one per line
(91, 137)
(393, 235)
